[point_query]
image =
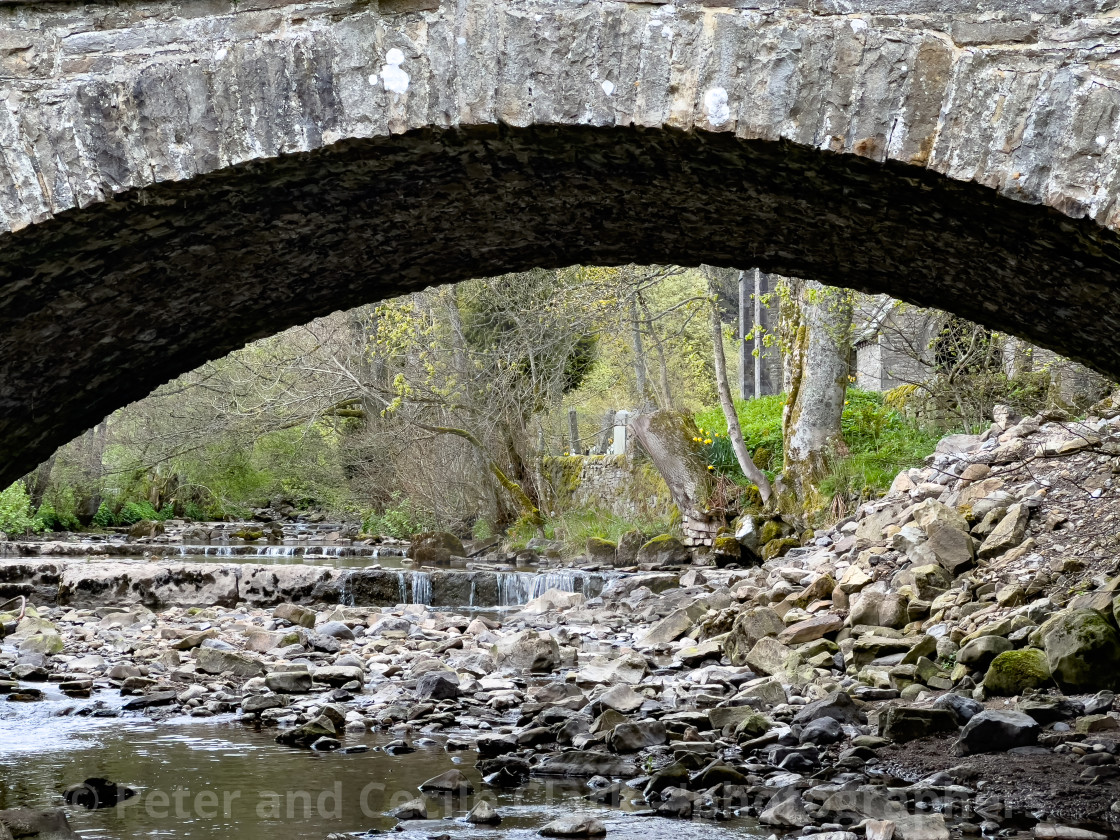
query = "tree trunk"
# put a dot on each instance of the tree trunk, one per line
(668, 439)
(818, 335)
(640, 372)
(734, 431)
(95, 454)
(659, 345)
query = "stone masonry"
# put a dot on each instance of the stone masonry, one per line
(178, 178)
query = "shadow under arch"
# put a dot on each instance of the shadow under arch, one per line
(100, 305)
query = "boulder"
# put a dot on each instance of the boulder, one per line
(483, 813)
(49, 824)
(1082, 650)
(1010, 531)
(997, 731)
(632, 737)
(838, 706)
(308, 733)
(979, 653)
(1014, 672)
(339, 675)
(668, 629)
(214, 661)
(145, 528)
(435, 547)
(299, 616)
(621, 698)
(664, 550)
(750, 626)
(951, 548)
(437, 685)
(414, 809)
(932, 513)
(527, 651)
(573, 826)
(907, 723)
(602, 552)
(811, 629)
(452, 781)
(289, 682)
(962, 708)
(787, 809)
(822, 731)
(336, 630)
(769, 657)
(584, 763)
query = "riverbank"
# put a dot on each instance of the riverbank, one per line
(939, 665)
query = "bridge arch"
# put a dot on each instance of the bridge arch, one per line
(176, 181)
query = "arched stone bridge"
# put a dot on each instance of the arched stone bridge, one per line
(177, 178)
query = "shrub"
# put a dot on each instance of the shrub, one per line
(132, 512)
(104, 516)
(15, 511)
(401, 520)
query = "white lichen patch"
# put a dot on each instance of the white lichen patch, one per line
(608, 87)
(392, 76)
(715, 103)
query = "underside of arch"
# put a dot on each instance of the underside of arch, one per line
(100, 305)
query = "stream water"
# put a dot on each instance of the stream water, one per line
(212, 779)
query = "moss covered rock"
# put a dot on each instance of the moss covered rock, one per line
(664, 550)
(601, 551)
(776, 548)
(435, 547)
(771, 530)
(1016, 671)
(753, 726)
(1082, 650)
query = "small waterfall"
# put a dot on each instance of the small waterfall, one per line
(421, 588)
(516, 589)
(281, 550)
(403, 587)
(345, 593)
(470, 599)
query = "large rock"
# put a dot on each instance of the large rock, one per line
(214, 661)
(632, 737)
(811, 629)
(979, 653)
(997, 731)
(1082, 650)
(584, 763)
(155, 585)
(839, 706)
(50, 824)
(289, 682)
(951, 548)
(932, 513)
(907, 723)
(664, 550)
(668, 629)
(1010, 531)
(527, 651)
(437, 685)
(770, 657)
(1013, 672)
(435, 547)
(573, 826)
(452, 781)
(750, 626)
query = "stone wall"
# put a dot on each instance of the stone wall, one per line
(179, 178)
(626, 486)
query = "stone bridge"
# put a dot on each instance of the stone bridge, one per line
(178, 178)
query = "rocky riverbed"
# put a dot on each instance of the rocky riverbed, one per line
(940, 664)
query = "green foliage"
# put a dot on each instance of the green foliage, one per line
(59, 511)
(761, 422)
(400, 520)
(15, 511)
(132, 512)
(104, 516)
(574, 526)
(881, 442)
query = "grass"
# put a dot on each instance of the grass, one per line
(881, 442)
(572, 528)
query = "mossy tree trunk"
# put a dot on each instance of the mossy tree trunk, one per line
(817, 327)
(668, 438)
